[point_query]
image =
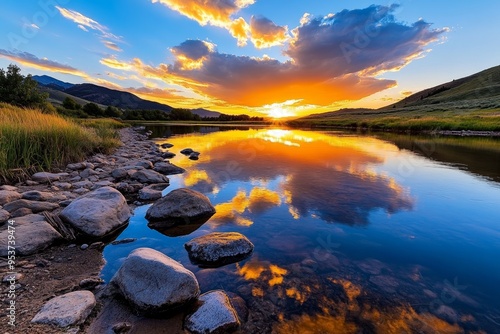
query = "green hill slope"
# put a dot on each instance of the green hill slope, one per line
(470, 103)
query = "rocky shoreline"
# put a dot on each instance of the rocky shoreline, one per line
(61, 221)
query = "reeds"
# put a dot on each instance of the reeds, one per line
(32, 141)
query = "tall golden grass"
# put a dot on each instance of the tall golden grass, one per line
(33, 141)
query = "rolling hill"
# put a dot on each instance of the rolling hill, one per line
(470, 103)
(477, 90)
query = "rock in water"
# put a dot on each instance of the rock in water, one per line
(153, 283)
(149, 176)
(181, 206)
(166, 168)
(219, 248)
(149, 194)
(194, 156)
(214, 315)
(187, 151)
(66, 310)
(30, 238)
(98, 213)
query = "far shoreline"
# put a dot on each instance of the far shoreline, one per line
(313, 127)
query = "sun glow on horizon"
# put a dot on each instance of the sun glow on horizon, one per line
(278, 113)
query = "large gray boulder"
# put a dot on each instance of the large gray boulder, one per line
(153, 283)
(7, 196)
(31, 238)
(67, 310)
(219, 248)
(166, 168)
(149, 176)
(34, 206)
(214, 315)
(98, 213)
(180, 206)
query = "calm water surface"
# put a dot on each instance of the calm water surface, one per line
(364, 234)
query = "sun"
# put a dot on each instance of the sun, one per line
(279, 112)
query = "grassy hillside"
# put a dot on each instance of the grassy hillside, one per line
(57, 97)
(32, 141)
(471, 103)
(480, 90)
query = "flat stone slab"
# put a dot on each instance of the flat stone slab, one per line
(214, 315)
(153, 283)
(34, 206)
(149, 176)
(7, 196)
(47, 177)
(98, 213)
(31, 238)
(67, 310)
(35, 195)
(219, 248)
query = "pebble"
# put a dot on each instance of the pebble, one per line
(84, 247)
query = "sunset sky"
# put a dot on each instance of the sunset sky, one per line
(278, 58)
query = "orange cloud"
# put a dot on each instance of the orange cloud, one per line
(214, 13)
(261, 31)
(265, 33)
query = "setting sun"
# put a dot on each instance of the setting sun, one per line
(278, 113)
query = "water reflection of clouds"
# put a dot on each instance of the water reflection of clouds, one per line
(263, 271)
(325, 175)
(259, 200)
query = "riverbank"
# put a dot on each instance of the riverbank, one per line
(48, 267)
(415, 121)
(32, 141)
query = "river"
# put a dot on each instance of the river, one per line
(362, 233)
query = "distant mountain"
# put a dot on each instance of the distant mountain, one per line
(85, 93)
(205, 113)
(51, 82)
(112, 97)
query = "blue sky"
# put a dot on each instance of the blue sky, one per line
(254, 56)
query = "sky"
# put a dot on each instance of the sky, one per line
(258, 57)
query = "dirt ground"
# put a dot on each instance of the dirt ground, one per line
(54, 272)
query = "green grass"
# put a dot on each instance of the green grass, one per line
(414, 121)
(32, 141)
